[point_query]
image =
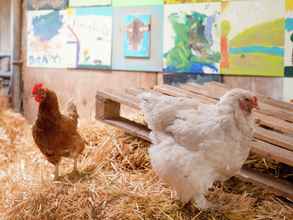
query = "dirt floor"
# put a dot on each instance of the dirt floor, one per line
(117, 182)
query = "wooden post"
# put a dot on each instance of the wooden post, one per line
(16, 30)
(106, 109)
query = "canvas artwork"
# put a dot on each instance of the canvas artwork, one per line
(188, 1)
(46, 4)
(192, 38)
(87, 3)
(289, 39)
(119, 3)
(47, 36)
(137, 36)
(91, 35)
(252, 41)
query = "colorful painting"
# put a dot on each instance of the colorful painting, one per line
(137, 36)
(252, 41)
(152, 59)
(119, 3)
(192, 38)
(47, 37)
(46, 4)
(87, 3)
(289, 39)
(91, 31)
(188, 1)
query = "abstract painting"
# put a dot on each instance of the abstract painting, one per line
(137, 36)
(146, 53)
(46, 4)
(192, 38)
(87, 3)
(119, 3)
(289, 39)
(252, 39)
(47, 37)
(91, 31)
(188, 1)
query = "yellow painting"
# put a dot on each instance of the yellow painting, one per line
(289, 5)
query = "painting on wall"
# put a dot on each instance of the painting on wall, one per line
(252, 41)
(119, 3)
(137, 36)
(289, 39)
(87, 3)
(143, 52)
(47, 37)
(192, 38)
(46, 4)
(188, 1)
(91, 35)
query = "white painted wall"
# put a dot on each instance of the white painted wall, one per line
(288, 89)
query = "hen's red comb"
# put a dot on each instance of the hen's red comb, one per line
(37, 87)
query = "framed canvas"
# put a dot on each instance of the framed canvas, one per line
(252, 41)
(46, 4)
(147, 58)
(192, 38)
(47, 37)
(91, 35)
(289, 39)
(126, 3)
(137, 36)
(88, 3)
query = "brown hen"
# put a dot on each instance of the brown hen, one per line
(56, 134)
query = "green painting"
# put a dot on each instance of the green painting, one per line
(192, 38)
(188, 1)
(252, 41)
(119, 3)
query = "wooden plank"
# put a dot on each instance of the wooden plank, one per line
(275, 112)
(276, 103)
(198, 89)
(274, 123)
(280, 187)
(175, 91)
(274, 138)
(134, 91)
(130, 127)
(272, 152)
(120, 98)
(106, 108)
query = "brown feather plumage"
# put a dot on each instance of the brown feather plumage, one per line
(56, 134)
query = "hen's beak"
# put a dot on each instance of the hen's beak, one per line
(255, 103)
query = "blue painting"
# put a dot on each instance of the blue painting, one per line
(289, 45)
(137, 36)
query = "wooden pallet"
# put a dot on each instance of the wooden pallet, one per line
(273, 138)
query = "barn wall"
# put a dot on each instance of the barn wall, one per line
(79, 85)
(268, 86)
(5, 22)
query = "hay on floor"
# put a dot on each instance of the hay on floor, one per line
(117, 182)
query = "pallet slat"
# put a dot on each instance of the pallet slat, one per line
(274, 138)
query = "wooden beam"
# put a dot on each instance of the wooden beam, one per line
(16, 33)
(274, 123)
(272, 152)
(280, 187)
(124, 99)
(274, 138)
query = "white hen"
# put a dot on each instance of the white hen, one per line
(195, 145)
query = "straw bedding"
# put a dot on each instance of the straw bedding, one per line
(116, 182)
